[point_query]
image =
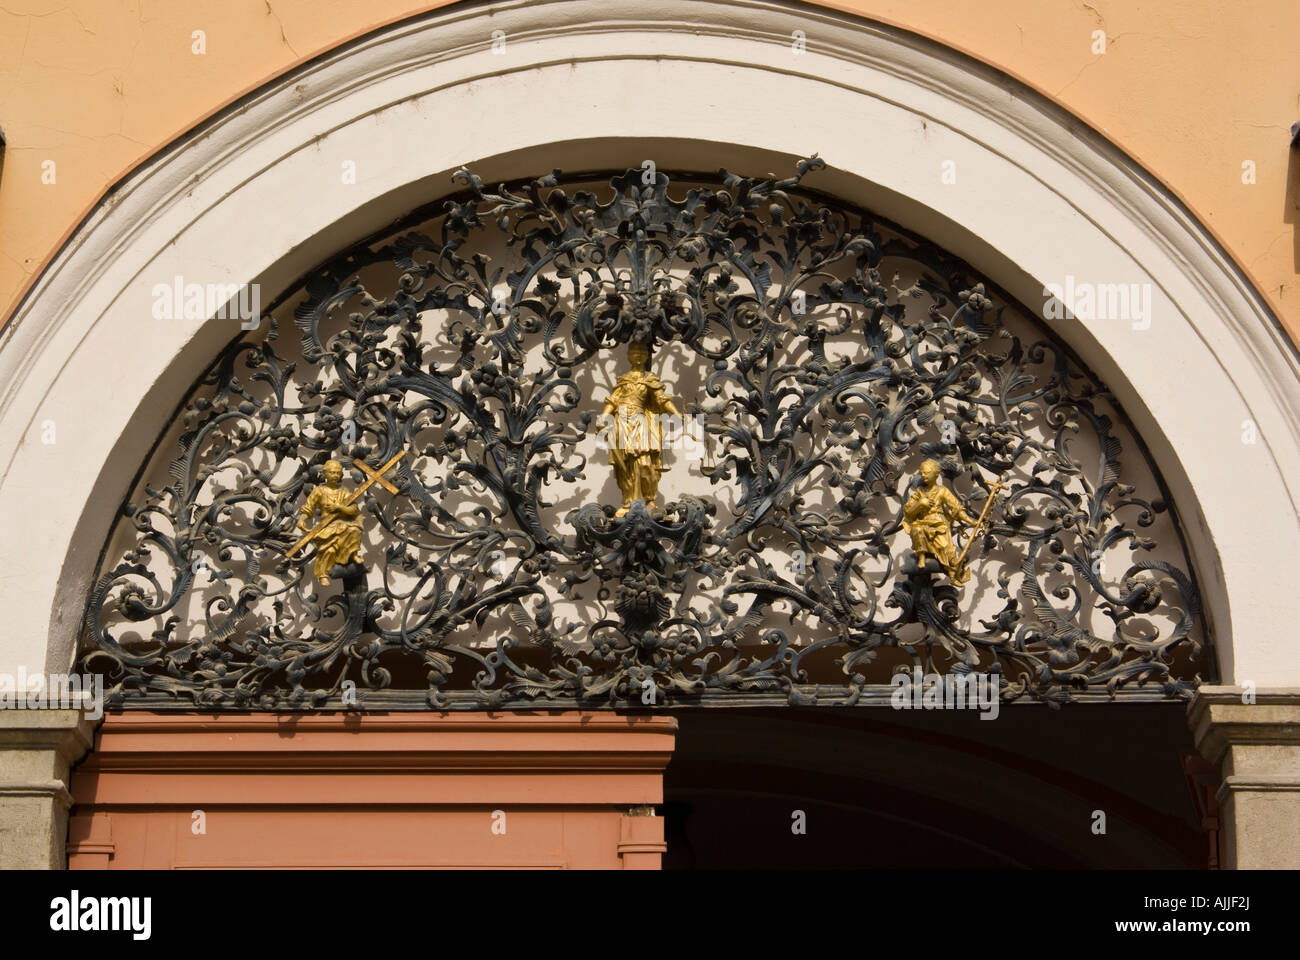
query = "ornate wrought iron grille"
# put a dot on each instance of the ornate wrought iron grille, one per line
(828, 353)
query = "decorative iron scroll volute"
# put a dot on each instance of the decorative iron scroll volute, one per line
(834, 353)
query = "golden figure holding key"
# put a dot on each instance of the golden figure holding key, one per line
(928, 516)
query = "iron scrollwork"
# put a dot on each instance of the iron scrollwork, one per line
(469, 583)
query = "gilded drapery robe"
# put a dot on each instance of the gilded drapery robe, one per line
(928, 516)
(636, 442)
(340, 540)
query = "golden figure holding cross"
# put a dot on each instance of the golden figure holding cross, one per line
(338, 535)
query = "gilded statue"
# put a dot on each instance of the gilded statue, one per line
(928, 516)
(636, 438)
(338, 536)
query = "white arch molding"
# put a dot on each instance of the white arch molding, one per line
(257, 195)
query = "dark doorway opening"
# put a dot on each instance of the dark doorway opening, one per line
(885, 789)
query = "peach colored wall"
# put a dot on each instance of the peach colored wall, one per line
(417, 790)
(1192, 89)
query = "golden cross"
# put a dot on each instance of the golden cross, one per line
(372, 477)
(377, 476)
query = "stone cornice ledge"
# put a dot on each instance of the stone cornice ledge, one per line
(1220, 719)
(68, 732)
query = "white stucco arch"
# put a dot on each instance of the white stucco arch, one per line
(256, 195)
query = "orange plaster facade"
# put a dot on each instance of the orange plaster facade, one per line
(547, 790)
(1200, 92)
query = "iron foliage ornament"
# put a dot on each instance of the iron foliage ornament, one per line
(824, 381)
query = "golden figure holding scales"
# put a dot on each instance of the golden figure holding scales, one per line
(637, 401)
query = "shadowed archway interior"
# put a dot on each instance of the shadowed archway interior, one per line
(923, 790)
